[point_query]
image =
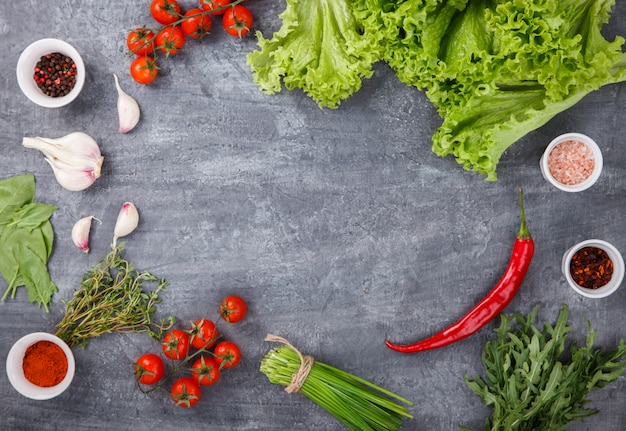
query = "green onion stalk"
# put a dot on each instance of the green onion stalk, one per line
(357, 403)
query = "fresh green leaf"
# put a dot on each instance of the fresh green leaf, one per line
(39, 286)
(497, 70)
(541, 389)
(320, 49)
(26, 240)
(32, 215)
(111, 298)
(15, 192)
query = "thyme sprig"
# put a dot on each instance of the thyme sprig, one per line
(111, 298)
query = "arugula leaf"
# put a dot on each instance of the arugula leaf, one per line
(26, 240)
(529, 383)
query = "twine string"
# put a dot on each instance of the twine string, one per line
(306, 363)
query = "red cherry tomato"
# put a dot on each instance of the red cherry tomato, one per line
(203, 334)
(170, 40)
(237, 20)
(217, 7)
(206, 371)
(143, 69)
(196, 24)
(186, 392)
(175, 344)
(149, 369)
(139, 41)
(227, 354)
(165, 11)
(233, 308)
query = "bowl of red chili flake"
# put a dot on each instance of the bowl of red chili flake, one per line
(572, 162)
(51, 72)
(594, 268)
(40, 366)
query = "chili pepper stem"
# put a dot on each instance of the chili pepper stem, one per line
(524, 233)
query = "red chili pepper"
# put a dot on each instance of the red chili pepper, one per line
(492, 305)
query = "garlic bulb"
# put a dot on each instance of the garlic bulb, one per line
(75, 158)
(127, 221)
(80, 233)
(127, 109)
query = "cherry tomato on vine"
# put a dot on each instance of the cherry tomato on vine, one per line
(186, 392)
(203, 334)
(175, 344)
(227, 354)
(195, 24)
(165, 11)
(139, 41)
(149, 369)
(237, 20)
(233, 308)
(170, 40)
(216, 6)
(206, 371)
(144, 69)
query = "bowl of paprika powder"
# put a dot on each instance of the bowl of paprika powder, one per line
(594, 268)
(40, 366)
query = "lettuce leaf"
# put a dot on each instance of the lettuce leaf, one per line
(494, 69)
(320, 49)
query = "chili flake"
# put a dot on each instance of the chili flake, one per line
(591, 267)
(55, 74)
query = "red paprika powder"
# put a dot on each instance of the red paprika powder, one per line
(44, 364)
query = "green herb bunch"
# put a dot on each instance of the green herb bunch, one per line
(530, 383)
(357, 403)
(111, 298)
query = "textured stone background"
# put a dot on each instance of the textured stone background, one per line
(339, 227)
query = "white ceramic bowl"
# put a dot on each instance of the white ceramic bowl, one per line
(618, 268)
(15, 370)
(26, 69)
(597, 155)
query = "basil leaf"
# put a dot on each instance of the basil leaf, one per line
(32, 215)
(39, 286)
(15, 192)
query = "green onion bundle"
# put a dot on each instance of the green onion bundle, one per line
(357, 403)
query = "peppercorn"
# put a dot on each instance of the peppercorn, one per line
(591, 267)
(55, 74)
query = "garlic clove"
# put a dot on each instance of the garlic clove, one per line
(127, 221)
(80, 233)
(75, 158)
(127, 109)
(75, 179)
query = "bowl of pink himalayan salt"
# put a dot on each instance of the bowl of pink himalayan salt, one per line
(572, 162)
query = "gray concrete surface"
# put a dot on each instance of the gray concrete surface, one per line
(340, 227)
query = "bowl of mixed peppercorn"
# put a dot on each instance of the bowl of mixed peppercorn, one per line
(51, 72)
(594, 268)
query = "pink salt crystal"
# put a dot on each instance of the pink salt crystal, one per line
(571, 162)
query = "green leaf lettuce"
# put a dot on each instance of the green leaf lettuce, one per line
(494, 70)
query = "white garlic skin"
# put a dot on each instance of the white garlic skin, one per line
(127, 221)
(127, 109)
(75, 158)
(80, 233)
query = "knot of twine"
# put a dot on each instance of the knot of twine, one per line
(306, 363)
